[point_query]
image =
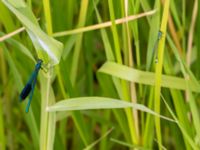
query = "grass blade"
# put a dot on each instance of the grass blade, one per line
(87, 103)
(41, 41)
(98, 140)
(148, 78)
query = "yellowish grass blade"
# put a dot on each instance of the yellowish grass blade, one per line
(104, 25)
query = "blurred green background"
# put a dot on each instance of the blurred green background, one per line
(83, 58)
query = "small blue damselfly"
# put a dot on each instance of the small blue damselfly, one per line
(30, 85)
(155, 48)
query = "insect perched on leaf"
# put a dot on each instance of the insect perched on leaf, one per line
(156, 46)
(30, 85)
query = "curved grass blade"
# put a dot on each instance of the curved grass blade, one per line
(48, 49)
(88, 103)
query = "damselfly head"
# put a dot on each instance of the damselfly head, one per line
(46, 67)
(39, 61)
(39, 64)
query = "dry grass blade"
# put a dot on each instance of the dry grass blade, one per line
(191, 33)
(9, 35)
(104, 25)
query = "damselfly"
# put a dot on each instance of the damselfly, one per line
(155, 49)
(30, 85)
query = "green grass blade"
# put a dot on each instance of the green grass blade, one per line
(98, 140)
(47, 47)
(128, 145)
(192, 103)
(51, 131)
(114, 32)
(188, 75)
(46, 135)
(6, 18)
(153, 35)
(180, 107)
(2, 133)
(144, 77)
(124, 85)
(159, 67)
(181, 126)
(50, 125)
(30, 118)
(87, 103)
(77, 49)
(20, 47)
(109, 91)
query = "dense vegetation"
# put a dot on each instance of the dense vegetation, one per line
(116, 74)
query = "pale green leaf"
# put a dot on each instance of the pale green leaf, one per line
(48, 49)
(148, 78)
(88, 103)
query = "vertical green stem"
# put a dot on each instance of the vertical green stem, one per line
(47, 129)
(125, 91)
(4, 80)
(114, 32)
(184, 24)
(159, 66)
(2, 136)
(47, 14)
(133, 88)
(45, 84)
(130, 63)
(77, 49)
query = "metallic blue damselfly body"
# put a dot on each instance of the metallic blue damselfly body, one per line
(30, 85)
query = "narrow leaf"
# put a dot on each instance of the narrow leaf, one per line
(88, 103)
(145, 77)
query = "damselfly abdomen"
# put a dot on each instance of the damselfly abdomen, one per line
(30, 85)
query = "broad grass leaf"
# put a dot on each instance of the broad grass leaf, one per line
(47, 48)
(148, 78)
(88, 103)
